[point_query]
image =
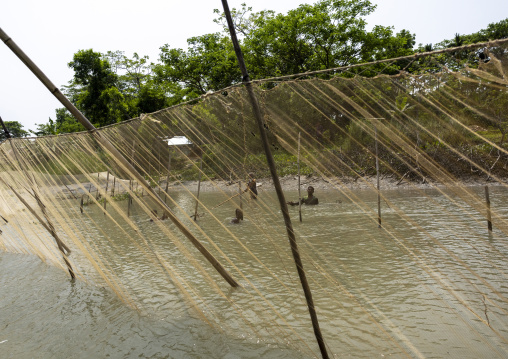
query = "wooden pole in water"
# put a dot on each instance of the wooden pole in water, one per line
(276, 182)
(89, 190)
(299, 189)
(124, 164)
(106, 192)
(98, 185)
(129, 199)
(114, 185)
(199, 187)
(489, 217)
(167, 178)
(240, 193)
(377, 178)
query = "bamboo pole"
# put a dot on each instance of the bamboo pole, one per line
(108, 146)
(299, 188)
(199, 187)
(377, 178)
(487, 202)
(113, 188)
(276, 182)
(129, 199)
(106, 192)
(98, 185)
(70, 191)
(167, 178)
(89, 190)
(229, 199)
(240, 194)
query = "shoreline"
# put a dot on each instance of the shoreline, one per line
(290, 182)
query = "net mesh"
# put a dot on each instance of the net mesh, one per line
(433, 121)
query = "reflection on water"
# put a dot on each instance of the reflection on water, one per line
(431, 284)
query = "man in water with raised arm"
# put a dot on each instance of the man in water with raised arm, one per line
(310, 199)
(252, 187)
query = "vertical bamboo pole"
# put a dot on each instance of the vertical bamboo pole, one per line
(113, 188)
(377, 178)
(106, 192)
(98, 185)
(167, 178)
(278, 188)
(299, 186)
(199, 187)
(487, 202)
(89, 190)
(240, 193)
(129, 199)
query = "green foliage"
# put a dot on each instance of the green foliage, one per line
(15, 129)
(209, 64)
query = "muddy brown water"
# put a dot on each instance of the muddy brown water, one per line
(431, 284)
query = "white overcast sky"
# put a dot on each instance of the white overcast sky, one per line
(51, 31)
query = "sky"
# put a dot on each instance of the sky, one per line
(51, 31)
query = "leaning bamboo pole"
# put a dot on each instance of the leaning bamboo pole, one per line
(108, 147)
(276, 182)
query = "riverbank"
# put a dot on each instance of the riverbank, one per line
(291, 183)
(288, 183)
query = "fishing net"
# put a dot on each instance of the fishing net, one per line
(432, 123)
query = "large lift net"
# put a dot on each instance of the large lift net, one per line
(432, 123)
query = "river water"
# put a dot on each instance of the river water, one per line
(432, 283)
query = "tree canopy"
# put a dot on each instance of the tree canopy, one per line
(111, 87)
(15, 130)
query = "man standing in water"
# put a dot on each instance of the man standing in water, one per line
(251, 187)
(310, 199)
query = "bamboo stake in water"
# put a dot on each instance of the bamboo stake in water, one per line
(377, 177)
(487, 200)
(167, 178)
(129, 199)
(114, 185)
(199, 187)
(106, 192)
(240, 193)
(299, 189)
(89, 190)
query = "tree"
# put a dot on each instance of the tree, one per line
(15, 130)
(327, 34)
(209, 64)
(94, 89)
